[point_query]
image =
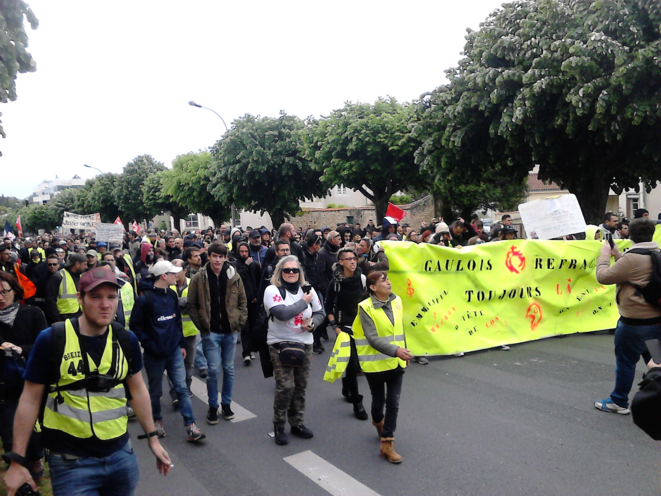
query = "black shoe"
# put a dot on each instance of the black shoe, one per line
(359, 409)
(212, 415)
(203, 373)
(228, 414)
(318, 350)
(175, 403)
(302, 431)
(324, 334)
(247, 361)
(281, 438)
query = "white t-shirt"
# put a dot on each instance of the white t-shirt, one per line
(292, 329)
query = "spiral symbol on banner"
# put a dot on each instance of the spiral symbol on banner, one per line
(409, 289)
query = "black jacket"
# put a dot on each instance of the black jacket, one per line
(309, 263)
(29, 322)
(325, 260)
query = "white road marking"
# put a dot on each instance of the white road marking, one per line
(199, 389)
(328, 476)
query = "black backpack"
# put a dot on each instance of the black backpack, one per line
(652, 290)
(646, 404)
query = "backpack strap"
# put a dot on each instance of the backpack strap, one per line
(58, 340)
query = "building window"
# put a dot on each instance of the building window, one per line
(341, 190)
(192, 221)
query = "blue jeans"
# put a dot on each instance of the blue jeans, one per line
(629, 346)
(114, 475)
(200, 359)
(174, 364)
(219, 350)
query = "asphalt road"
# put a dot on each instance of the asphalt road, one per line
(518, 422)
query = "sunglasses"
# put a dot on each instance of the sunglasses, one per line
(53, 265)
(290, 271)
(349, 259)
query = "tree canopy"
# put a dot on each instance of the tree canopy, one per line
(157, 200)
(189, 181)
(128, 188)
(258, 166)
(366, 147)
(572, 86)
(14, 57)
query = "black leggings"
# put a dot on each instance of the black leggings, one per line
(350, 380)
(386, 387)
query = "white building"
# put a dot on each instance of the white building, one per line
(47, 190)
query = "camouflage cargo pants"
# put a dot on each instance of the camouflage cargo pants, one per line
(290, 384)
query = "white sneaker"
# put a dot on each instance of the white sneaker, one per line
(608, 405)
(504, 347)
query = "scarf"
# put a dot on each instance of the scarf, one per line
(7, 315)
(292, 287)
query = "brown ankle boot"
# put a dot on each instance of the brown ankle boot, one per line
(379, 427)
(388, 450)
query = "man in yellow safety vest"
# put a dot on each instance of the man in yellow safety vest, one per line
(84, 369)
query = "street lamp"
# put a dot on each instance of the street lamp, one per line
(193, 104)
(90, 167)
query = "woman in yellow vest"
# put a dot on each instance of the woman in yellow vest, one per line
(379, 335)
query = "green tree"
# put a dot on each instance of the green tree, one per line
(65, 201)
(258, 166)
(128, 188)
(100, 198)
(157, 200)
(572, 86)
(188, 183)
(468, 168)
(366, 147)
(14, 57)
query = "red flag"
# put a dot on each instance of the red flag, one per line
(19, 226)
(395, 212)
(135, 226)
(118, 222)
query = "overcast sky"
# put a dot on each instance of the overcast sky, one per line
(114, 79)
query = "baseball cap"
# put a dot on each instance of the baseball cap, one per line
(164, 267)
(255, 234)
(508, 230)
(92, 253)
(95, 277)
(75, 258)
(115, 247)
(101, 243)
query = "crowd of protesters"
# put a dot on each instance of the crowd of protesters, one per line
(189, 298)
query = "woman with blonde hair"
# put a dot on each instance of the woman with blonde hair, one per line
(295, 311)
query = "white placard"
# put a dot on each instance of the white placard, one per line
(109, 232)
(553, 218)
(76, 221)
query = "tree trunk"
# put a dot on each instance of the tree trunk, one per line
(593, 198)
(277, 218)
(381, 207)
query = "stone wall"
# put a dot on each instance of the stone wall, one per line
(421, 210)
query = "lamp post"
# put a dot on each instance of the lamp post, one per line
(90, 167)
(193, 104)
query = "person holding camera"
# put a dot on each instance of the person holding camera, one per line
(19, 327)
(84, 365)
(295, 311)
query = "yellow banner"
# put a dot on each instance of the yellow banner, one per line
(478, 297)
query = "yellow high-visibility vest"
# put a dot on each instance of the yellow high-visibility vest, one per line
(85, 414)
(372, 360)
(67, 299)
(339, 359)
(129, 261)
(186, 322)
(128, 301)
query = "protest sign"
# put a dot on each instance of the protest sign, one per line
(552, 218)
(109, 232)
(84, 222)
